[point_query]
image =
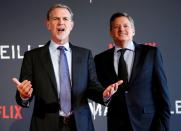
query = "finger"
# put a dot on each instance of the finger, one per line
(27, 94)
(112, 90)
(27, 89)
(27, 85)
(104, 94)
(116, 86)
(15, 80)
(30, 92)
(107, 94)
(119, 82)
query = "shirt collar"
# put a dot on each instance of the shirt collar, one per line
(130, 46)
(54, 45)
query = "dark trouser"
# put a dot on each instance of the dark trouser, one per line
(115, 124)
(118, 119)
(67, 123)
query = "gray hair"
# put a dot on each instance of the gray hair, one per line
(59, 6)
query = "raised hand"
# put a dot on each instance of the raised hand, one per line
(25, 88)
(110, 90)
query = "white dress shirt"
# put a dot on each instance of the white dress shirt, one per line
(128, 57)
(55, 55)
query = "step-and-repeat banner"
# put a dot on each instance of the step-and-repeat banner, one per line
(22, 28)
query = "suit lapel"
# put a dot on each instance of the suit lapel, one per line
(75, 58)
(136, 64)
(48, 66)
(110, 64)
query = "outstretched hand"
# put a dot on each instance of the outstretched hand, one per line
(110, 90)
(25, 88)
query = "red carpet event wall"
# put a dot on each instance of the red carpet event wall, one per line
(22, 28)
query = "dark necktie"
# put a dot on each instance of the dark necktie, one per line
(122, 69)
(65, 87)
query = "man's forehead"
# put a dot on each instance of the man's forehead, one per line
(60, 11)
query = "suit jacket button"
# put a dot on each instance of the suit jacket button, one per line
(126, 92)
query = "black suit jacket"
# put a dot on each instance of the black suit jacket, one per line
(146, 97)
(37, 67)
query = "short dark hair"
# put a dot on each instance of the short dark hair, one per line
(59, 6)
(121, 14)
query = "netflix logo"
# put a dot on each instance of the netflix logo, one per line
(10, 112)
(8, 52)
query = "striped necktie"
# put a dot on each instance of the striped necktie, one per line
(65, 86)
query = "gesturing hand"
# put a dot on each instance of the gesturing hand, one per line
(25, 88)
(110, 90)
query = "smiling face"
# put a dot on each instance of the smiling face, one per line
(122, 31)
(60, 25)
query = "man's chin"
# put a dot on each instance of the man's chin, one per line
(61, 37)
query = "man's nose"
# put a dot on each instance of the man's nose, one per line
(60, 21)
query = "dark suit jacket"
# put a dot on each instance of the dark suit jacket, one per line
(37, 67)
(146, 97)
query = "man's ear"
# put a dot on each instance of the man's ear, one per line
(47, 24)
(72, 25)
(133, 32)
(110, 33)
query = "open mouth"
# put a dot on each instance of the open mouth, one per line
(61, 29)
